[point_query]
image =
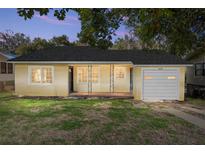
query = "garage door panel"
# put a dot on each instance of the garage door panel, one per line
(160, 84)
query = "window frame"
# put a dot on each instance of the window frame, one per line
(40, 67)
(12, 68)
(78, 77)
(98, 72)
(1, 67)
(203, 69)
(89, 80)
(123, 70)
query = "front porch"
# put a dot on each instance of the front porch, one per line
(100, 80)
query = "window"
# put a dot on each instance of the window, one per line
(3, 67)
(148, 77)
(200, 69)
(95, 72)
(171, 77)
(10, 68)
(41, 75)
(82, 74)
(120, 72)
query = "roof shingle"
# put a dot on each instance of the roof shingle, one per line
(80, 53)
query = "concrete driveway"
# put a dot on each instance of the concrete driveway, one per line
(189, 113)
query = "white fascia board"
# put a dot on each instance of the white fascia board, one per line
(163, 65)
(71, 62)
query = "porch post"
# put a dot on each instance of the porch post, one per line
(89, 78)
(111, 78)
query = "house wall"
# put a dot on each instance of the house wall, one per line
(137, 81)
(120, 85)
(190, 74)
(60, 81)
(5, 77)
(59, 87)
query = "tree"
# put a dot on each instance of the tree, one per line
(40, 44)
(97, 25)
(24, 49)
(127, 42)
(178, 31)
(9, 40)
(62, 40)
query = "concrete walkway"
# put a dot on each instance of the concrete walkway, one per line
(179, 110)
(188, 117)
(192, 109)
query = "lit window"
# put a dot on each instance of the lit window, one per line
(36, 75)
(95, 72)
(120, 72)
(82, 74)
(171, 77)
(46, 75)
(41, 75)
(148, 77)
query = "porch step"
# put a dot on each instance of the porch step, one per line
(102, 95)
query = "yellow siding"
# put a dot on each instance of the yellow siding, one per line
(137, 81)
(58, 88)
(182, 72)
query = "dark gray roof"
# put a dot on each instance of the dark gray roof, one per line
(80, 53)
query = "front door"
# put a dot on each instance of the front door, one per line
(121, 79)
(70, 79)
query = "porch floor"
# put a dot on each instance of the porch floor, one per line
(102, 94)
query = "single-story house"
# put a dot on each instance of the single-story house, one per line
(66, 71)
(6, 71)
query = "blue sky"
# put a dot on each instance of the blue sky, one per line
(44, 26)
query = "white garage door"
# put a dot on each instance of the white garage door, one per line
(160, 84)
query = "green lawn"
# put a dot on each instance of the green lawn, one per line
(62, 121)
(197, 102)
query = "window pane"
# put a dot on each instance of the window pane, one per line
(199, 66)
(199, 72)
(46, 75)
(82, 74)
(95, 72)
(120, 72)
(3, 67)
(10, 68)
(36, 75)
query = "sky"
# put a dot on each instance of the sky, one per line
(45, 26)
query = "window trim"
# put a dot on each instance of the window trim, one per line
(98, 70)
(88, 75)
(40, 67)
(124, 71)
(5, 68)
(78, 77)
(195, 69)
(12, 70)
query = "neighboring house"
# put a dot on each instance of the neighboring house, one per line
(195, 76)
(6, 71)
(71, 71)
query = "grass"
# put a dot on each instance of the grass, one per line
(60, 121)
(196, 101)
